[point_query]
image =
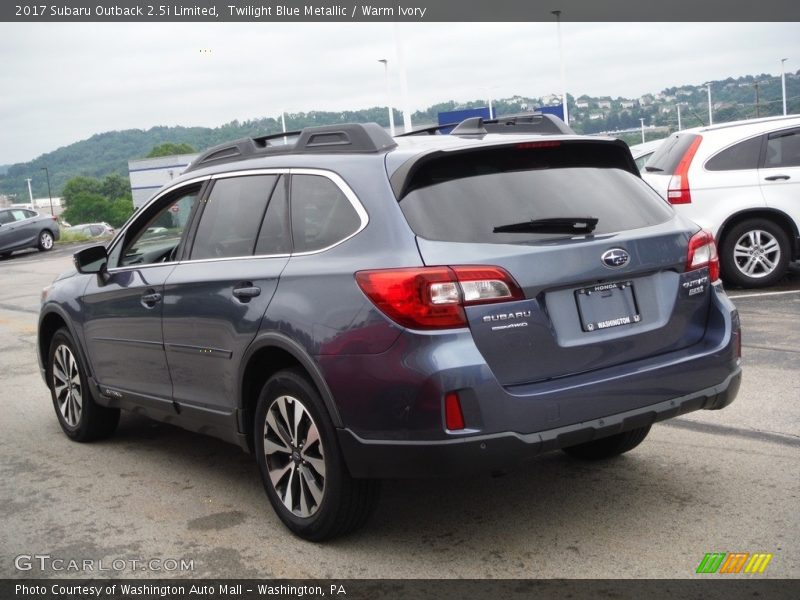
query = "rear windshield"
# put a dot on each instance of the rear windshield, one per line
(467, 209)
(670, 153)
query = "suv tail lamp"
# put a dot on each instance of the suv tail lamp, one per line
(435, 297)
(678, 191)
(703, 253)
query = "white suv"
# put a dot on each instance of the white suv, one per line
(741, 181)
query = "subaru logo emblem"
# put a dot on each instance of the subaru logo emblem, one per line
(615, 258)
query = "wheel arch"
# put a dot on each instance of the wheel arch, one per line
(268, 354)
(49, 323)
(778, 217)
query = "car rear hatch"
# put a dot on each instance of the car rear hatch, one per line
(599, 259)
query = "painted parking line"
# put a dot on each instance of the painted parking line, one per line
(732, 297)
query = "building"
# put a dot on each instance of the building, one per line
(148, 175)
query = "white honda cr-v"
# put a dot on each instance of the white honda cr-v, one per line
(740, 180)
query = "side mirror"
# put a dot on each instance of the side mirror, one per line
(92, 260)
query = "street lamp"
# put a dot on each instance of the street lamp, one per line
(642, 122)
(557, 13)
(710, 117)
(783, 84)
(388, 95)
(49, 193)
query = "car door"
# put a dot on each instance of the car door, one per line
(215, 300)
(6, 230)
(16, 229)
(122, 325)
(779, 174)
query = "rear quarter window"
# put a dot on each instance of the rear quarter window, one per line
(742, 155)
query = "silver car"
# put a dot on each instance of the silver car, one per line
(22, 228)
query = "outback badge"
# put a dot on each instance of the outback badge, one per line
(615, 258)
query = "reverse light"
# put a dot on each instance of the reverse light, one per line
(678, 191)
(435, 297)
(703, 253)
(453, 415)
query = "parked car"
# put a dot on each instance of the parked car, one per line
(642, 152)
(22, 228)
(93, 229)
(351, 307)
(742, 182)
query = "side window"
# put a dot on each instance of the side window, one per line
(6, 217)
(232, 216)
(321, 214)
(19, 215)
(783, 150)
(743, 155)
(29, 214)
(274, 236)
(156, 235)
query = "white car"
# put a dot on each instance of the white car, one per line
(741, 181)
(642, 152)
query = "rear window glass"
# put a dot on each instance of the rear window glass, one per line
(670, 153)
(743, 155)
(468, 209)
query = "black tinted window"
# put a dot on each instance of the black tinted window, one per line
(743, 155)
(232, 216)
(468, 209)
(321, 214)
(783, 150)
(6, 216)
(670, 153)
(274, 236)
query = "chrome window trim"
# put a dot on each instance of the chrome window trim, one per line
(334, 177)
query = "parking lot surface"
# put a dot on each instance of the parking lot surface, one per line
(723, 481)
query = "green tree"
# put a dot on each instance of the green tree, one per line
(169, 148)
(79, 186)
(86, 207)
(115, 186)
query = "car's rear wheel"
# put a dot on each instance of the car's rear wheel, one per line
(754, 253)
(301, 465)
(80, 417)
(45, 240)
(610, 446)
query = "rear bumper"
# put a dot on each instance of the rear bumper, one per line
(493, 452)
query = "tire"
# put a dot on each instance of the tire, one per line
(302, 468)
(46, 240)
(80, 417)
(609, 446)
(754, 253)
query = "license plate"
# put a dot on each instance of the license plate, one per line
(607, 305)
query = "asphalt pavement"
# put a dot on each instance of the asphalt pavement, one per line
(721, 481)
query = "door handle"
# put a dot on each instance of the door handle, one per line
(246, 292)
(151, 299)
(777, 178)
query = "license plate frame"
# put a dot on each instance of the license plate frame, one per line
(607, 305)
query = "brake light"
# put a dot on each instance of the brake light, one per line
(435, 297)
(453, 415)
(703, 253)
(678, 191)
(532, 145)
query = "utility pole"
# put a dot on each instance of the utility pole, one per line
(783, 84)
(642, 122)
(401, 62)
(30, 192)
(49, 193)
(758, 107)
(678, 106)
(388, 94)
(710, 117)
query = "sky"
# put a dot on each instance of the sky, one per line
(64, 82)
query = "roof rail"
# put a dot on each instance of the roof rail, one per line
(347, 138)
(541, 123)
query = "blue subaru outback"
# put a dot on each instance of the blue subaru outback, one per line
(350, 306)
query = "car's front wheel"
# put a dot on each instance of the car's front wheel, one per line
(80, 417)
(754, 253)
(45, 240)
(301, 466)
(610, 446)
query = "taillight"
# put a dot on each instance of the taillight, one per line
(703, 253)
(435, 297)
(678, 191)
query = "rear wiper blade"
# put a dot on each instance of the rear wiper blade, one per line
(555, 225)
(653, 169)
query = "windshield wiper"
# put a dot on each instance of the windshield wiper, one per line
(555, 225)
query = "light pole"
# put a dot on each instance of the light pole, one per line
(401, 61)
(564, 109)
(678, 106)
(783, 84)
(388, 95)
(49, 193)
(30, 192)
(710, 117)
(641, 120)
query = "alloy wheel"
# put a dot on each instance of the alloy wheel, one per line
(46, 240)
(294, 455)
(757, 253)
(67, 385)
